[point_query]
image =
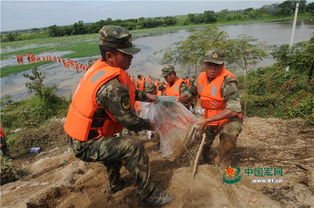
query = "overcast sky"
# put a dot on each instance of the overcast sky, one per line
(17, 15)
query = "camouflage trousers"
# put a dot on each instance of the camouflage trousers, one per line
(113, 152)
(228, 132)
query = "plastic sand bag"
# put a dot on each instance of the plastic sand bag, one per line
(167, 98)
(146, 107)
(175, 126)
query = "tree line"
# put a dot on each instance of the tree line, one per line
(79, 27)
(277, 10)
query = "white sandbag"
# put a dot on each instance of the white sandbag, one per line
(173, 122)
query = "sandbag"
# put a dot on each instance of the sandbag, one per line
(174, 123)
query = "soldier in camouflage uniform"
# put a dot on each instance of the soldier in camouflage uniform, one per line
(186, 93)
(228, 131)
(114, 151)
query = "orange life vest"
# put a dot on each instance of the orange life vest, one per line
(79, 120)
(141, 84)
(137, 105)
(174, 90)
(149, 80)
(211, 97)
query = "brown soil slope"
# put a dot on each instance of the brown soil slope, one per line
(60, 180)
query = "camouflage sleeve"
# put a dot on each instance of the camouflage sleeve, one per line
(189, 91)
(114, 97)
(230, 92)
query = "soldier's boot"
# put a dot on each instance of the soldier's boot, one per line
(120, 185)
(157, 198)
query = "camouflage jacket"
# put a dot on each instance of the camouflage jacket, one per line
(114, 97)
(230, 92)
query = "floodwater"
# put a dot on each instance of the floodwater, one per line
(147, 62)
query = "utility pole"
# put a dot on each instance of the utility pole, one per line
(293, 27)
(294, 24)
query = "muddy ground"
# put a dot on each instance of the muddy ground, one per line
(60, 180)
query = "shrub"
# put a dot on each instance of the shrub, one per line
(48, 136)
(10, 172)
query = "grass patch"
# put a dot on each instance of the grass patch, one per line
(273, 92)
(8, 70)
(11, 172)
(81, 50)
(32, 112)
(48, 136)
(50, 40)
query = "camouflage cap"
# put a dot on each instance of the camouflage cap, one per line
(167, 70)
(150, 88)
(215, 56)
(117, 37)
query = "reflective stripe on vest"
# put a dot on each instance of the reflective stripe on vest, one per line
(210, 95)
(79, 119)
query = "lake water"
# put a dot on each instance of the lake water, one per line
(147, 62)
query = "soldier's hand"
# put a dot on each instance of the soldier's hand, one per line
(152, 125)
(201, 124)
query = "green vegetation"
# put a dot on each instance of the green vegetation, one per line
(275, 92)
(34, 115)
(82, 44)
(10, 172)
(79, 49)
(48, 135)
(270, 91)
(283, 9)
(24, 35)
(7, 70)
(33, 111)
(244, 52)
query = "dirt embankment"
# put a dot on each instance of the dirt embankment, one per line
(60, 180)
